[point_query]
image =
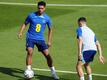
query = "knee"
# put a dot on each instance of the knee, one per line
(48, 57)
(86, 65)
(46, 53)
(29, 52)
(79, 64)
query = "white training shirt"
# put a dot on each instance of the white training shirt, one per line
(88, 37)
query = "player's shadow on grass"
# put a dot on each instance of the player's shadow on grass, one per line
(69, 76)
(63, 77)
(18, 73)
(42, 77)
(12, 72)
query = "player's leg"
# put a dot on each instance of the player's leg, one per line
(42, 47)
(80, 70)
(50, 63)
(48, 57)
(88, 70)
(29, 48)
(89, 57)
(29, 57)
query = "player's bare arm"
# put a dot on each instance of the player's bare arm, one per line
(101, 58)
(22, 28)
(49, 37)
(79, 41)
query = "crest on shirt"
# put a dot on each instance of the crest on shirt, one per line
(41, 16)
(44, 21)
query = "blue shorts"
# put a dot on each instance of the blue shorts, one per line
(41, 45)
(88, 56)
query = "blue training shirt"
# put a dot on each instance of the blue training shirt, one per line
(37, 25)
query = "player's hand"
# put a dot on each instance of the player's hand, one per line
(80, 56)
(20, 35)
(101, 59)
(49, 44)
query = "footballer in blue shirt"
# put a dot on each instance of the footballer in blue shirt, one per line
(35, 36)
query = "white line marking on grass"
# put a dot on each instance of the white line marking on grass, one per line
(12, 3)
(72, 5)
(71, 72)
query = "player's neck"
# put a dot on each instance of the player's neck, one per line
(39, 14)
(83, 25)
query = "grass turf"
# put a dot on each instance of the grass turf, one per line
(63, 50)
(61, 1)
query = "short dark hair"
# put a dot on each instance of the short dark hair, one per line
(82, 19)
(42, 3)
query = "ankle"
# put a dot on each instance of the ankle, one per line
(82, 78)
(29, 67)
(90, 77)
(52, 69)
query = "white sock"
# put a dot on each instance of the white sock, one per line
(90, 77)
(82, 78)
(54, 73)
(29, 67)
(52, 69)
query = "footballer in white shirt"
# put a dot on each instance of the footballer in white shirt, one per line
(87, 48)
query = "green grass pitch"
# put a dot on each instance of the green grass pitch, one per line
(64, 47)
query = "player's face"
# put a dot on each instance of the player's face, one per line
(79, 23)
(41, 9)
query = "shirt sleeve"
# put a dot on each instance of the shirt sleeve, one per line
(27, 20)
(49, 23)
(79, 33)
(95, 39)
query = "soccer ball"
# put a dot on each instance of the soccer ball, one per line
(28, 74)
